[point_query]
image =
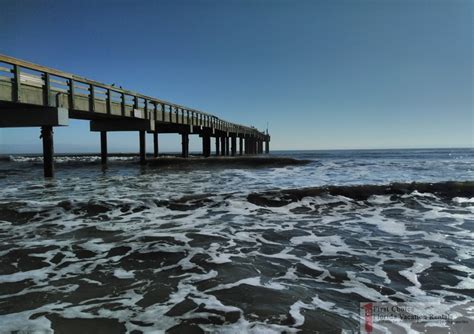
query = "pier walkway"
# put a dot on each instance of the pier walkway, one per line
(37, 96)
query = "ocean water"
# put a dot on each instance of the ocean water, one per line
(143, 249)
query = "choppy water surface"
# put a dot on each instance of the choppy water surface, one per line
(141, 249)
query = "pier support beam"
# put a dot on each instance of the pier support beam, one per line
(48, 150)
(234, 145)
(223, 148)
(123, 125)
(155, 144)
(206, 145)
(217, 146)
(14, 116)
(241, 145)
(184, 145)
(142, 147)
(267, 146)
(103, 147)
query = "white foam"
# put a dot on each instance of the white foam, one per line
(123, 274)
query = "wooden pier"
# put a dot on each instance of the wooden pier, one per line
(36, 96)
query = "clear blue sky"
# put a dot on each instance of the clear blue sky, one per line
(324, 74)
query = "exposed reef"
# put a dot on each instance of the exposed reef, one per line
(447, 190)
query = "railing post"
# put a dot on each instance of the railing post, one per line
(71, 94)
(47, 89)
(91, 98)
(135, 102)
(146, 109)
(122, 104)
(109, 101)
(17, 79)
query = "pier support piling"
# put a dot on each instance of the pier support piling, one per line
(155, 144)
(241, 144)
(217, 147)
(48, 150)
(227, 146)
(184, 145)
(206, 145)
(142, 147)
(234, 145)
(103, 147)
(267, 146)
(223, 148)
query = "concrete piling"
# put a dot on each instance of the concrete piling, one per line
(217, 146)
(234, 145)
(48, 150)
(155, 144)
(142, 147)
(103, 147)
(184, 145)
(223, 148)
(206, 145)
(241, 145)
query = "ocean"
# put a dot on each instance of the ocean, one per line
(231, 250)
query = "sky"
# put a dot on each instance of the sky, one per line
(334, 74)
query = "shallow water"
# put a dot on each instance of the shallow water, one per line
(141, 248)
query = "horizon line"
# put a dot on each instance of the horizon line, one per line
(277, 150)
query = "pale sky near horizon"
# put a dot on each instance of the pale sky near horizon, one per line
(325, 74)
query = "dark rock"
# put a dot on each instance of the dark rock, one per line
(116, 251)
(185, 328)
(182, 308)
